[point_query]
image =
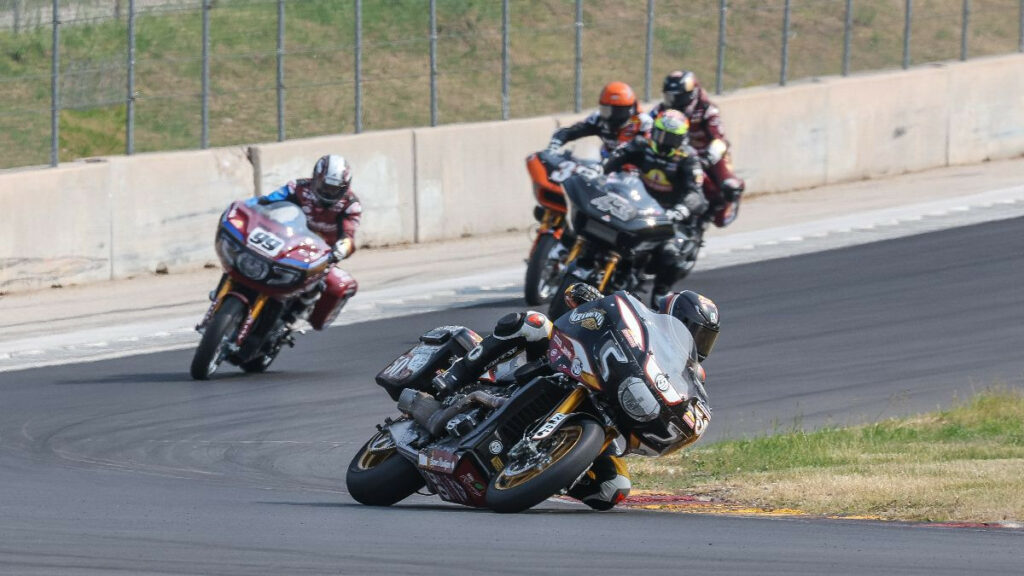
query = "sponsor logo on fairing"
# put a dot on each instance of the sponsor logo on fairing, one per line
(495, 447)
(591, 319)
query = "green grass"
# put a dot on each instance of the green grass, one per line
(319, 65)
(962, 464)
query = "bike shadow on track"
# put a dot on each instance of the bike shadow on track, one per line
(447, 508)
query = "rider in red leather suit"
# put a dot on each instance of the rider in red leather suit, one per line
(333, 212)
(682, 91)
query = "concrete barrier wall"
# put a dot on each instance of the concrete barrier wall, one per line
(165, 207)
(56, 226)
(127, 215)
(383, 167)
(986, 110)
(472, 179)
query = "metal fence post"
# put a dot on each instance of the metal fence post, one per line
(965, 24)
(720, 70)
(129, 129)
(1020, 40)
(847, 35)
(433, 62)
(204, 138)
(55, 88)
(505, 54)
(280, 70)
(578, 94)
(784, 67)
(908, 15)
(359, 66)
(649, 54)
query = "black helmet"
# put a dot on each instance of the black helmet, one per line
(680, 89)
(331, 179)
(700, 316)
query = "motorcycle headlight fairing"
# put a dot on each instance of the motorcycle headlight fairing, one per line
(252, 267)
(636, 399)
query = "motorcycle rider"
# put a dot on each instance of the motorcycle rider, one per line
(607, 482)
(333, 212)
(682, 91)
(672, 174)
(616, 121)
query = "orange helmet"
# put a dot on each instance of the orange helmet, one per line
(617, 104)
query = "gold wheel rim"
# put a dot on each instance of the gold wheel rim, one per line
(568, 437)
(372, 458)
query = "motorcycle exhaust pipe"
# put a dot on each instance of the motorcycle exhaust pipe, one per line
(437, 422)
(431, 415)
(420, 405)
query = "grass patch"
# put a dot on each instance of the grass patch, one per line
(965, 464)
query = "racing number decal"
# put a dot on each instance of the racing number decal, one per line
(568, 168)
(265, 241)
(616, 206)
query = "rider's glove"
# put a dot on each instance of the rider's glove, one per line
(342, 249)
(263, 200)
(678, 213)
(555, 145)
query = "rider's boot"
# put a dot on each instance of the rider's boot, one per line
(603, 486)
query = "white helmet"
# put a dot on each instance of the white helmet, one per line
(331, 179)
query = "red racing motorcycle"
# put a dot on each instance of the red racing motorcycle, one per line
(273, 266)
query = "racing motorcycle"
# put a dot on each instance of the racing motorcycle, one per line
(546, 261)
(612, 372)
(618, 226)
(272, 266)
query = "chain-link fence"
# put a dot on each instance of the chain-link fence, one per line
(92, 77)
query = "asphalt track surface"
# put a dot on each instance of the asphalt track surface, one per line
(127, 466)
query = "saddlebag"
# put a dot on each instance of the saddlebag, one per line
(436, 351)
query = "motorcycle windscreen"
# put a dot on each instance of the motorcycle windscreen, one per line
(671, 352)
(284, 223)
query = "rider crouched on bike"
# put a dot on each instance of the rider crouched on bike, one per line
(333, 212)
(607, 482)
(681, 91)
(616, 121)
(672, 174)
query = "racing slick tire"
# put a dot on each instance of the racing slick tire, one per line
(542, 272)
(381, 477)
(208, 354)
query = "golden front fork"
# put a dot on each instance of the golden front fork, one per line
(575, 252)
(571, 402)
(609, 268)
(224, 289)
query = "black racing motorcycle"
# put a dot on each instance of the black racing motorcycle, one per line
(618, 227)
(613, 371)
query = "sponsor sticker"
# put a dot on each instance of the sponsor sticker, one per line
(438, 460)
(549, 426)
(495, 447)
(592, 319)
(577, 367)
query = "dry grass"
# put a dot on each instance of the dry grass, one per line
(963, 465)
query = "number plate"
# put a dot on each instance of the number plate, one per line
(265, 241)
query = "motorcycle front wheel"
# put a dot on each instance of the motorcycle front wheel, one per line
(209, 353)
(542, 271)
(565, 455)
(379, 476)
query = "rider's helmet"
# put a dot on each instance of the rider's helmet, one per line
(700, 316)
(617, 104)
(669, 133)
(680, 89)
(332, 177)
(580, 293)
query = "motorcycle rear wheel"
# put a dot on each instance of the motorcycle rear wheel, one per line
(573, 448)
(381, 477)
(208, 354)
(542, 272)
